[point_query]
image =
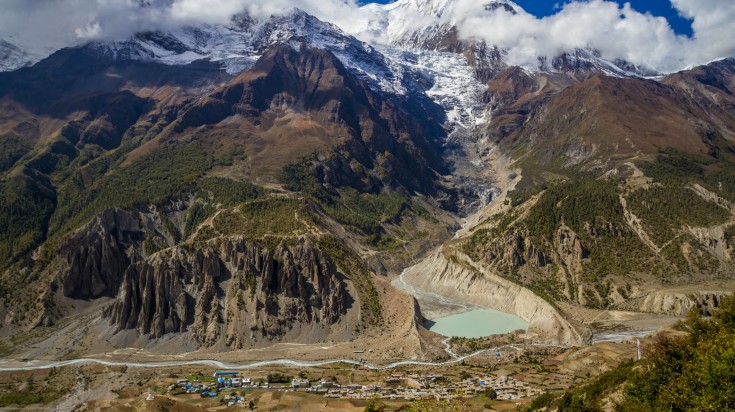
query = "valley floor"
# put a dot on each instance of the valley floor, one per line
(117, 388)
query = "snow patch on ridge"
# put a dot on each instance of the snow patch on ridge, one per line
(238, 46)
(13, 57)
(446, 78)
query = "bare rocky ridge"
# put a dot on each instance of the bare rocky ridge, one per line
(605, 118)
(676, 303)
(227, 292)
(99, 253)
(232, 290)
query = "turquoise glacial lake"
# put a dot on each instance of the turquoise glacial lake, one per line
(476, 324)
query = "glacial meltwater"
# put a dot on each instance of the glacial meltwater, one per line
(476, 324)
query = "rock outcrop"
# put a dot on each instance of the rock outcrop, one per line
(233, 291)
(99, 253)
(515, 250)
(673, 303)
(560, 260)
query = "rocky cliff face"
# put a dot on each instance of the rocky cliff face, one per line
(226, 291)
(515, 250)
(98, 254)
(232, 290)
(678, 303)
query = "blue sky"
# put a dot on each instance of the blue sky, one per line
(663, 8)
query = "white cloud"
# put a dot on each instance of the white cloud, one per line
(51, 22)
(617, 32)
(713, 26)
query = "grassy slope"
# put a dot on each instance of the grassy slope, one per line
(591, 207)
(86, 182)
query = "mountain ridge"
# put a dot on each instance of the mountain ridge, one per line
(237, 44)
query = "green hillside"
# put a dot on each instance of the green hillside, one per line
(691, 371)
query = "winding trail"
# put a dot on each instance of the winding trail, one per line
(620, 336)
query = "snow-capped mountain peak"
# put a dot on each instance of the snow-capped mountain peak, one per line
(437, 25)
(13, 57)
(423, 55)
(506, 5)
(436, 8)
(445, 8)
(239, 44)
(407, 22)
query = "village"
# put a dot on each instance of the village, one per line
(414, 387)
(227, 385)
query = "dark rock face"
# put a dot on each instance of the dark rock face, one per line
(707, 302)
(109, 117)
(514, 251)
(402, 136)
(227, 291)
(231, 290)
(99, 253)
